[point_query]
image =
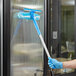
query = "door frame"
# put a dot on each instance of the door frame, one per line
(47, 34)
(56, 28)
(75, 27)
(6, 37)
(1, 37)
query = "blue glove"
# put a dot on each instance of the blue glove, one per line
(54, 64)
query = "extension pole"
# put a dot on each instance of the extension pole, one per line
(39, 33)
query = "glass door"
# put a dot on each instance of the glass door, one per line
(63, 32)
(26, 50)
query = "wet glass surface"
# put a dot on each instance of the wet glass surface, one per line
(26, 48)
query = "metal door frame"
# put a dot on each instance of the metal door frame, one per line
(1, 37)
(6, 37)
(47, 33)
(75, 27)
(56, 22)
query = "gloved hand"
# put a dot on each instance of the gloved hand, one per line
(54, 64)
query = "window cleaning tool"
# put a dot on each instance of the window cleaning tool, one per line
(30, 14)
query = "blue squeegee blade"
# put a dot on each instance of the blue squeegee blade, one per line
(27, 16)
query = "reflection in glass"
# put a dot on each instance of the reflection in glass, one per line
(26, 49)
(67, 34)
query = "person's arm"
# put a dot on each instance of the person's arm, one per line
(69, 64)
(54, 64)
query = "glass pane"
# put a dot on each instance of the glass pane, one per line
(67, 33)
(26, 48)
(66, 46)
